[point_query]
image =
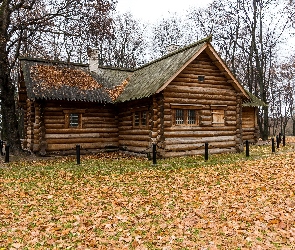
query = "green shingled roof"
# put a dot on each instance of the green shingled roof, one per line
(148, 79)
(254, 101)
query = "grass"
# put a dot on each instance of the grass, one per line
(111, 201)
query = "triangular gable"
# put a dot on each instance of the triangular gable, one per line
(223, 67)
(154, 77)
(208, 48)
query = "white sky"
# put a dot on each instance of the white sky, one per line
(153, 10)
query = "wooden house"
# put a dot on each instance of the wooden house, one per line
(180, 101)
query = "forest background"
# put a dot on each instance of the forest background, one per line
(254, 38)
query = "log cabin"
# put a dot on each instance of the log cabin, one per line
(179, 101)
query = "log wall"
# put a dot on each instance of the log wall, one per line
(214, 93)
(47, 131)
(136, 138)
(249, 124)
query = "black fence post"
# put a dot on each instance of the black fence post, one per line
(206, 151)
(278, 141)
(1, 147)
(7, 153)
(154, 153)
(247, 149)
(273, 149)
(284, 140)
(78, 154)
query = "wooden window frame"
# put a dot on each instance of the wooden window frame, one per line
(186, 109)
(142, 113)
(216, 112)
(68, 113)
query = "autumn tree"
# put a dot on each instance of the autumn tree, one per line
(24, 29)
(248, 35)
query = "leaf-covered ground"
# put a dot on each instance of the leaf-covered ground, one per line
(116, 202)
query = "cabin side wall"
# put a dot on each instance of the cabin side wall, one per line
(250, 126)
(217, 107)
(96, 127)
(136, 120)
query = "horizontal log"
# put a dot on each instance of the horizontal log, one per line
(195, 83)
(193, 97)
(134, 143)
(54, 126)
(96, 120)
(81, 130)
(81, 140)
(81, 135)
(247, 126)
(196, 146)
(54, 121)
(252, 129)
(201, 71)
(69, 146)
(200, 101)
(230, 123)
(130, 131)
(144, 137)
(198, 129)
(196, 133)
(98, 125)
(204, 90)
(193, 140)
(207, 77)
(168, 123)
(142, 150)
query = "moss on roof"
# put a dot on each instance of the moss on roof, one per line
(254, 101)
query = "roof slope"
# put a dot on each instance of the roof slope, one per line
(60, 81)
(148, 79)
(254, 101)
(74, 82)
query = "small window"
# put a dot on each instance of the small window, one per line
(74, 120)
(179, 116)
(218, 117)
(186, 117)
(140, 119)
(201, 78)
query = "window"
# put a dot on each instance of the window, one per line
(218, 117)
(73, 118)
(186, 117)
(140, 119)
(201, 78)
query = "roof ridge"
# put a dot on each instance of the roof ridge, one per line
(35, 59)
(206, 39)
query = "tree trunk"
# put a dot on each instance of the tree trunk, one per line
(9, 116)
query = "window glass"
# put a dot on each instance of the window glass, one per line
(179, 116)
(136, 118)
(191, 116)
(74, 120)
(143, 118)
